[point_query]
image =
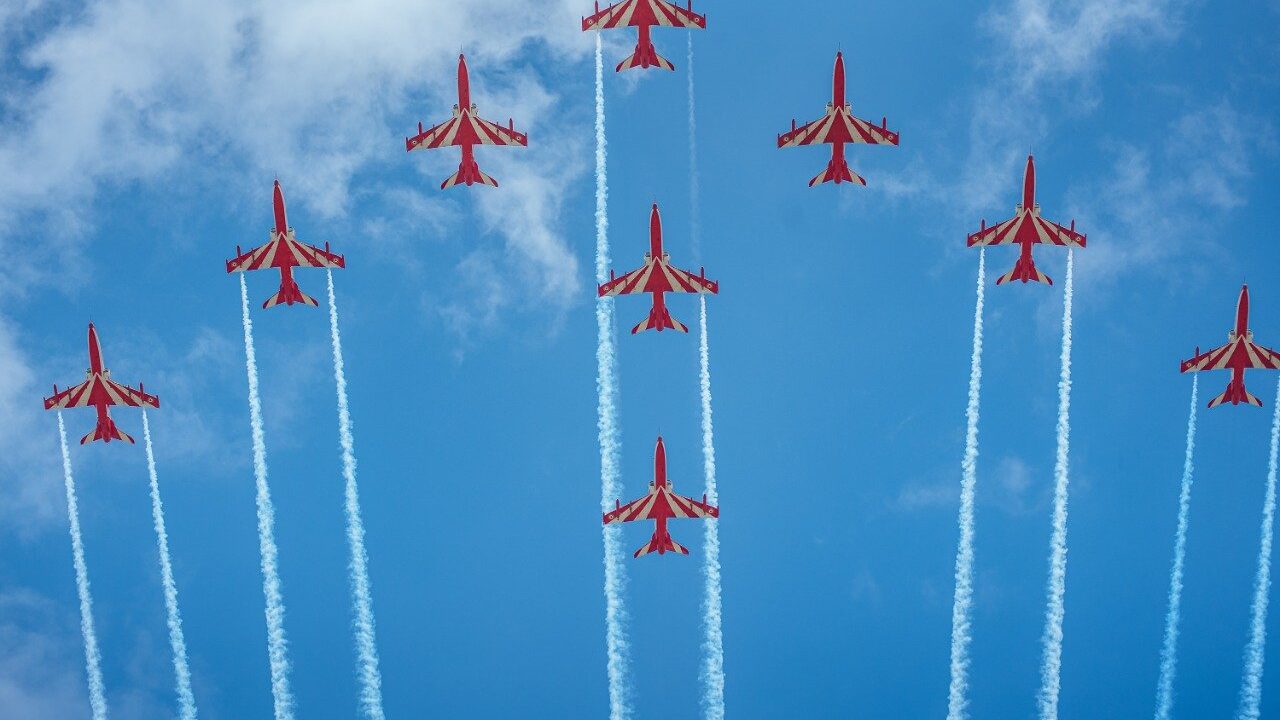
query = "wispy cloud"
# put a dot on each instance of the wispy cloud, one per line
(127, 90)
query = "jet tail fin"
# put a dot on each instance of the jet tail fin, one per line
(660, 320)
(106, 431)
(645, 56)
(1026, 272)
(468, 174)
(661, 545)
(289, 294)
(837, 171)
(1235, 395)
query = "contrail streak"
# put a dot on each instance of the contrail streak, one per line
(695, 201)
(712, 674)
(1051, 671)
(615, 573)
(277, 646)
(713, 641)
(177, 641)
(1169, 652)
(361, 594)
(92, 660)
(962, 606)
(1251, 686)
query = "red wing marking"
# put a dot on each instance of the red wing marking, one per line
(285, 251)
(838, 126)
(630, 13)
(658, 276)
(1027, 226)
(661, 503)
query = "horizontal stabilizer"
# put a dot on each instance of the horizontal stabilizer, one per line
(288, 295)
(645, 57)
(1026, 272)
(1235, 395)
(106, 431)
(837, 171)
(660, 321)
(468, 175)
(661, 545)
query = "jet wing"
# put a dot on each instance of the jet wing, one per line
(118, 394)
(77, 396)
(659, 504)
(114, 394)
(630, 13)
(286, 251)
(466, 129)
(659, 276)
(1012, 231)
(1256, 357)
(838, 125)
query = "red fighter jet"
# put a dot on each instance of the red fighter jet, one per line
(1027, 228)
(837, 128)
(1239, 354)
(643, 15)
(284, 252)
(658, 276)
(467, 130)
(100, 391)
(660, 505)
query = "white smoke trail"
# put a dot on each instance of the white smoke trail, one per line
(695, 201)
(277, 650)
(361, 594)
(962, 605)
(615, 573)
(1051, 670)
(713, 641)
(177, 641)
(92, 660)
(1169, 652)
(1251, 686)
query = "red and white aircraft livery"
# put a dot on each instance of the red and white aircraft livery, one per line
(658, 276)
(1027, 228)
(660, 505)
(643, 15)
(283, 252)
(100, 391)
(466, 129)
(838, 128)
(1239, 354)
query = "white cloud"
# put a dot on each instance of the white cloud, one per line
(313, 91)
(30, 474)
(1160, 203)
(41, 675)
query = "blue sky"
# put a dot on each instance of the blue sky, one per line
(138, 142)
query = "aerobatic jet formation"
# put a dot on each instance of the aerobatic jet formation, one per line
(100, 391)
(643, 15)
(838, 128)
(283, 252)
(1239, 354)
(660, 505)
(658, 277)
(1027, 228)
(466, 130)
